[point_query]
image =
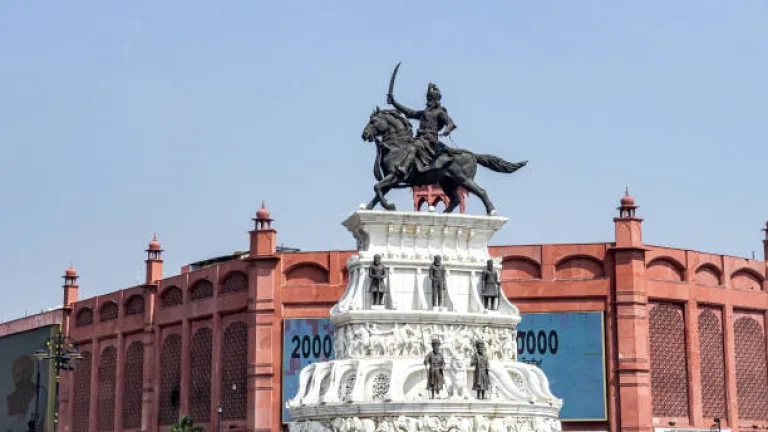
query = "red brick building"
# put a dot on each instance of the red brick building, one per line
(685, 331)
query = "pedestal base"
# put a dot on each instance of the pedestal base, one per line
(431, 423)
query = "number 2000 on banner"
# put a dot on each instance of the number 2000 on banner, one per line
(312, 347)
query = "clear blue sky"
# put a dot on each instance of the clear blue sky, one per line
(120, 119)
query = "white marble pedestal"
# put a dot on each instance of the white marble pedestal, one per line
(377, 383)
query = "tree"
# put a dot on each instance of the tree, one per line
(186, 424)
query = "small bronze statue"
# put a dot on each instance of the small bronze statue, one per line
(491, 287)
(435, 364)
(481, 381)
(437, 274)
(377, 272)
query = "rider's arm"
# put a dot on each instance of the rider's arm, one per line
(410, 113)
(448, 121)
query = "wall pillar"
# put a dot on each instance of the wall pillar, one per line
(264, 354)
(94, 406)
(730, 368)
(631, 303)
(119, 382)
(148, 422)
(694, 363)
(185, 368)
(216, 369)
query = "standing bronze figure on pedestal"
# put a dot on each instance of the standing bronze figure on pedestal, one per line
(491, 287)
(481, 380)
(435, 364)
(437, 275)
(377, 272)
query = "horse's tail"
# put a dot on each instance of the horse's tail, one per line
(495, 163)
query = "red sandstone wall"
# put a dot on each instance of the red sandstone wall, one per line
(188, 337)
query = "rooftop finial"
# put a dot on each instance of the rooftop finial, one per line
(263, 219)
(154, 245)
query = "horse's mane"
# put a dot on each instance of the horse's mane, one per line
(396, 117)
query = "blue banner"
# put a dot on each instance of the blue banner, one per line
(568, 347)
(305, 341)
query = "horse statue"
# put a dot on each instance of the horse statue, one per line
(452, 168)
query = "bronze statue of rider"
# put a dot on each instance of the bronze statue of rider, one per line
(432, 119)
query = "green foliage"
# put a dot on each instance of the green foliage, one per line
(186, 424)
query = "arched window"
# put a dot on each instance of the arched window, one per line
(170, 380)
(84, 317)
(234, 370)
(201, 290)
(751, 374)
(82, 403)
(108, 311)
(669, 371)
(133, 377)
(134, 305)
(201, 353)
(105, 411)
(171, 296)
(712, 365)
(234, 282)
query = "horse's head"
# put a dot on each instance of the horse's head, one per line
(377, 126)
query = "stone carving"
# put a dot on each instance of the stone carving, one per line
(412, 340)
(458, 375)
(377, 273)
(345, 392)
(491, 287)
(435, 364)
(481, 381)
(447, 423)
(437, 275)
(380, 386)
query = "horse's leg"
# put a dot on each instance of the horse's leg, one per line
(373, 203)
(470, 185)
(450, 188)
(381, 188)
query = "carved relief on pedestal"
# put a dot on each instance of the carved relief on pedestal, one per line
(360, 340)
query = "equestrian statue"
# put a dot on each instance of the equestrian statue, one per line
(404, 160)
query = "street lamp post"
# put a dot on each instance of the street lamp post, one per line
(62, 352)
(218, 410)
